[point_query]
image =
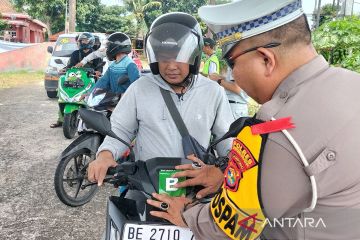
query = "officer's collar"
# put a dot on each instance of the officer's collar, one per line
(304, 73)
(287, 87)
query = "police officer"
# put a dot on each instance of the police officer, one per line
(307, 173)
(211, 64)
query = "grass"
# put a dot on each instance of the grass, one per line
(17, 78)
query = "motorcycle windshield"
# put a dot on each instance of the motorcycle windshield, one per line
(95, 97)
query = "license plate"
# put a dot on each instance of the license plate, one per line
(156, 232)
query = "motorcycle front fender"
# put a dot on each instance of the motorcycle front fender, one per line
(69, 108)
(89, 141)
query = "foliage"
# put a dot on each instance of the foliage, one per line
(146, 11)
(218, 2)
(114, 18)
(139, 10)
(3, 24)
(339, 42)
(223, 64)
(52, 13)
(328, 12)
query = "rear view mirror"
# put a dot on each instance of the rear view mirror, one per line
(97, 121)
(50, 49)
(59, 61)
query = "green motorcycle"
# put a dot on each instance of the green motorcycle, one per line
(72, 85)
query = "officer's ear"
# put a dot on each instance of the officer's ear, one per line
(269, 60)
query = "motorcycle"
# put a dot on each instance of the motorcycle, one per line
(72, 85)
(128, 215)
(70, 174)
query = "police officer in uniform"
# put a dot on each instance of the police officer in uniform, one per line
(307, 171)
(211, 64)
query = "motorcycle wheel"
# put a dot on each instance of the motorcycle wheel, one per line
(70, 176)
(70, 125)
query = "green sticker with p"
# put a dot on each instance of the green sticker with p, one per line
(167, 182)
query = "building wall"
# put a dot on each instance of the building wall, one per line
(33, 33)
(33, 57)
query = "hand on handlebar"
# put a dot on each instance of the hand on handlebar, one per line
(97, 74)
(79, 65)
(98, 168)
(208, 176)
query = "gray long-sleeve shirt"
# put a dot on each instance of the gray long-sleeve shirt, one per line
(142, 113)
(324, 105)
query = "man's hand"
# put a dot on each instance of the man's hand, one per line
(208, 176)
(97, 74)
(98, 168)
(82, 97)
(79, 65)
(176, 206)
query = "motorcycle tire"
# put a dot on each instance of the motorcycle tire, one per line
(70, 125)
(70, 176)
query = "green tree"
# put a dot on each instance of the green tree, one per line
(339, 42)
(139, 8)
(114, 18)
(3, 25)
(52, 13)
(328, 12)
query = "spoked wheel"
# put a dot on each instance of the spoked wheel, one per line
(70, 178)
(70, 125)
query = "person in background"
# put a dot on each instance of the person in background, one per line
(211, 64)
(122, 71)
(238, 98)
(85, 42)
(98, 53)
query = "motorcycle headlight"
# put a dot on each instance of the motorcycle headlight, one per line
(51, 70)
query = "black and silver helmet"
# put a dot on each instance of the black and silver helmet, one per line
(174, 36)
(117, 43)
(86, 40)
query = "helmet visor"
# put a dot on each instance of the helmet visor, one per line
(172, 42)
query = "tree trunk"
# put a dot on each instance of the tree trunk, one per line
(48, 24)
(318, 14)
(72, 15)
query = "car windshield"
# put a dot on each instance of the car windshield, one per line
(65, 46)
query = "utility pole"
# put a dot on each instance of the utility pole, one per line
(318, 14)
(72, 15)
(66, 18)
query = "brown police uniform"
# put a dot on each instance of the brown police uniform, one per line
(324, 105)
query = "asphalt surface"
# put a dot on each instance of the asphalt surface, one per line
(29, 151)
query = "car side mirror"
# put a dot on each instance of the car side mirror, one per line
(50, 49)
(59, 61)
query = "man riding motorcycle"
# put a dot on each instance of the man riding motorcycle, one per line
(173, 47)
(85, 42)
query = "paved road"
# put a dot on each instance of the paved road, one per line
(29, 150)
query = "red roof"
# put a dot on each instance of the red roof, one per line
(15, 18)
(18, 23)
